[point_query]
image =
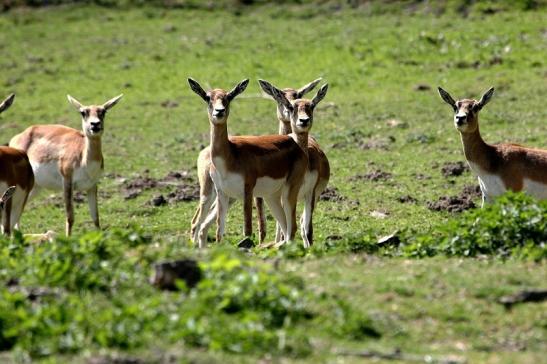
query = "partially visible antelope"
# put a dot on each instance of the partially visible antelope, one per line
(15, 171)
(67, 159)
(300, 114)
(207, 190)
(499, 167)
(269, 166)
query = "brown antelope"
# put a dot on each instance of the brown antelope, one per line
(207, 190)
(300, 114)
(68, 159)
(15, 170)
(269, 166)
(499, 167)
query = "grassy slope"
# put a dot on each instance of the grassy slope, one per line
(372, 63)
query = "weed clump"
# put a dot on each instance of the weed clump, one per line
(515, 225)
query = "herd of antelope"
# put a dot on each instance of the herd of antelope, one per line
(277, 169)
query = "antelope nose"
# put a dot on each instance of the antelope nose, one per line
(303, 121)
(460, 119)
(219, 111)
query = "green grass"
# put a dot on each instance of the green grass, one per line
(372, 57)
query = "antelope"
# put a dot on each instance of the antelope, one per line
(300, 114)
(499, 167)
(15, 170)
(207, 191)
(67, 159)
(268, 166)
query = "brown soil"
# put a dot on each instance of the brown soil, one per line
(454, 169)
(374, 176)
(459, 203)
(185, 188)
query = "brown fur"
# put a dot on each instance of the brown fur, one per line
(15, 170)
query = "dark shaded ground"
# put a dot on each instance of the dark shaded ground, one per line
(459, 203)
(374, 176)
(185, 187)
(454, 169)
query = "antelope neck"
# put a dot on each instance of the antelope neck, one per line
(92, 150)
(302, 141)
(219, 140)
(474, 147)
(284, 128)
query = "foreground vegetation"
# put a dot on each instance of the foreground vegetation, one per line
(389, 139)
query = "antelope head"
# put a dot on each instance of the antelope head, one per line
(466, 111)
(93, 116)
(218, 101)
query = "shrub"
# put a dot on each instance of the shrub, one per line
(514, 226)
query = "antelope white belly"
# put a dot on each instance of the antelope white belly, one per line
(266, 186)
(491, 185)
(310, 179)
(535, 189)
(47, 175)
(231, 184)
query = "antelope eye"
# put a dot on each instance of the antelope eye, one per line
(83, 113)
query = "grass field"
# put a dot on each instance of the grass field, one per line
(382, 63)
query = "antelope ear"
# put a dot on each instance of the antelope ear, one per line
(266, 87)
(7, 102)
(485, 99)
(307, 88)
(240, 87)
(447, 98)
(320, 95)
(77, 104)
(280, 98)
(110, 103)
(196, 87)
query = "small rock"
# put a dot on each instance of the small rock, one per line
(379, 214)
(246, 243)
(391, 239)
(159, 201)
(422, 87)
(166, 274)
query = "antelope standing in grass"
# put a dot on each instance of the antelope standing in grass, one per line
(291, 109)
(207, 190)
(67, 159)
(15, 170)
(300, 113)
(499, 167)
(269, 166)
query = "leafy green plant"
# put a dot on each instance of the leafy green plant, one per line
(515, 225)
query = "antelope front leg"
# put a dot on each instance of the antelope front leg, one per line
(69, 208)
(223, 203)
(259, 203)
(248, 210)
(306, 224)
(93, 206)
(6, 218)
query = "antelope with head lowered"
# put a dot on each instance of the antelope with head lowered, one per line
(15, 171)
(67, 159)
(269, 166)
(499, 167)
(292, 111)
(207, 190)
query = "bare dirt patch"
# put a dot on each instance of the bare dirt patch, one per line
(454, 169)
(374, 176)
(182, 185)
(459, 203)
